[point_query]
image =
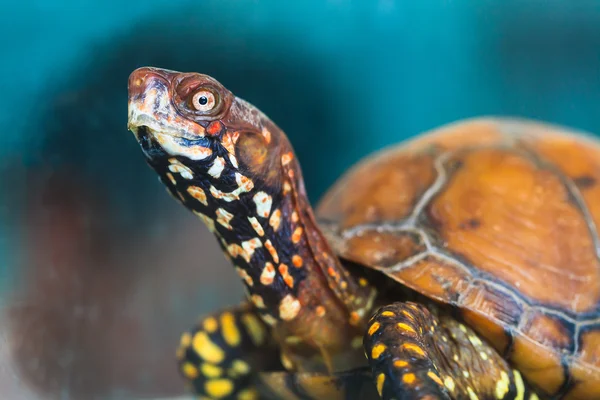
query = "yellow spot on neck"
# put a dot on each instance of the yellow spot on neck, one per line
(400, 364)
(377, 350)
(256, 226)
(268, 274)
(289, 308)
(272, 251)
(380, 382)
(297, 261)
(297, 235)
(258, 301)
(197, 193)
(206, 349)
(275, 220)
(229, 329)
(218, 388)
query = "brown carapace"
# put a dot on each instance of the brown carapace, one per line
(462, 264)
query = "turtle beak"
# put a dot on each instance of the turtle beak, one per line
(148, 98)
(150, 105)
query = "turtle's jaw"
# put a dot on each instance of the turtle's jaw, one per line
(150, 105)
(154, 120)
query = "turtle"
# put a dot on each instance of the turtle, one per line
(461, 263)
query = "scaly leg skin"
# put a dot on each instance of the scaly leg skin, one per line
(417, 354)
(221, 356)
(348, 385)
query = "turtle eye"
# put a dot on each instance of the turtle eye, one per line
(204, 100)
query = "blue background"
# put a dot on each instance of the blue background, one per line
(89, 240)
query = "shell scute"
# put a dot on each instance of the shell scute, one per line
(507, 214)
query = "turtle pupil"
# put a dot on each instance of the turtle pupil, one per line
(203, 100)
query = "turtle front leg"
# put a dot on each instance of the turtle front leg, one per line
(417, 354)
(222, 354)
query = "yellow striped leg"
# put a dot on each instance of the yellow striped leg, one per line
(220, 356)
(417, 354)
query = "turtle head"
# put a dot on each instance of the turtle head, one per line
(230, 165)
(192, 116)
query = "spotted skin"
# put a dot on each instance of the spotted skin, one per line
(236, 171)
(348, 385)
(416, 354)
(220, 356)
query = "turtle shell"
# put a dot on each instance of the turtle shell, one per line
(498, 218)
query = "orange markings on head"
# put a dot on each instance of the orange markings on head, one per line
(214, 128)
(286, 158)
(266, 134)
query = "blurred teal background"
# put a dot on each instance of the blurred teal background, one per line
(100, 270)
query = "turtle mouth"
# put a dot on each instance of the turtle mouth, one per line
(155, 143)
(146, 140)
(142, 134)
